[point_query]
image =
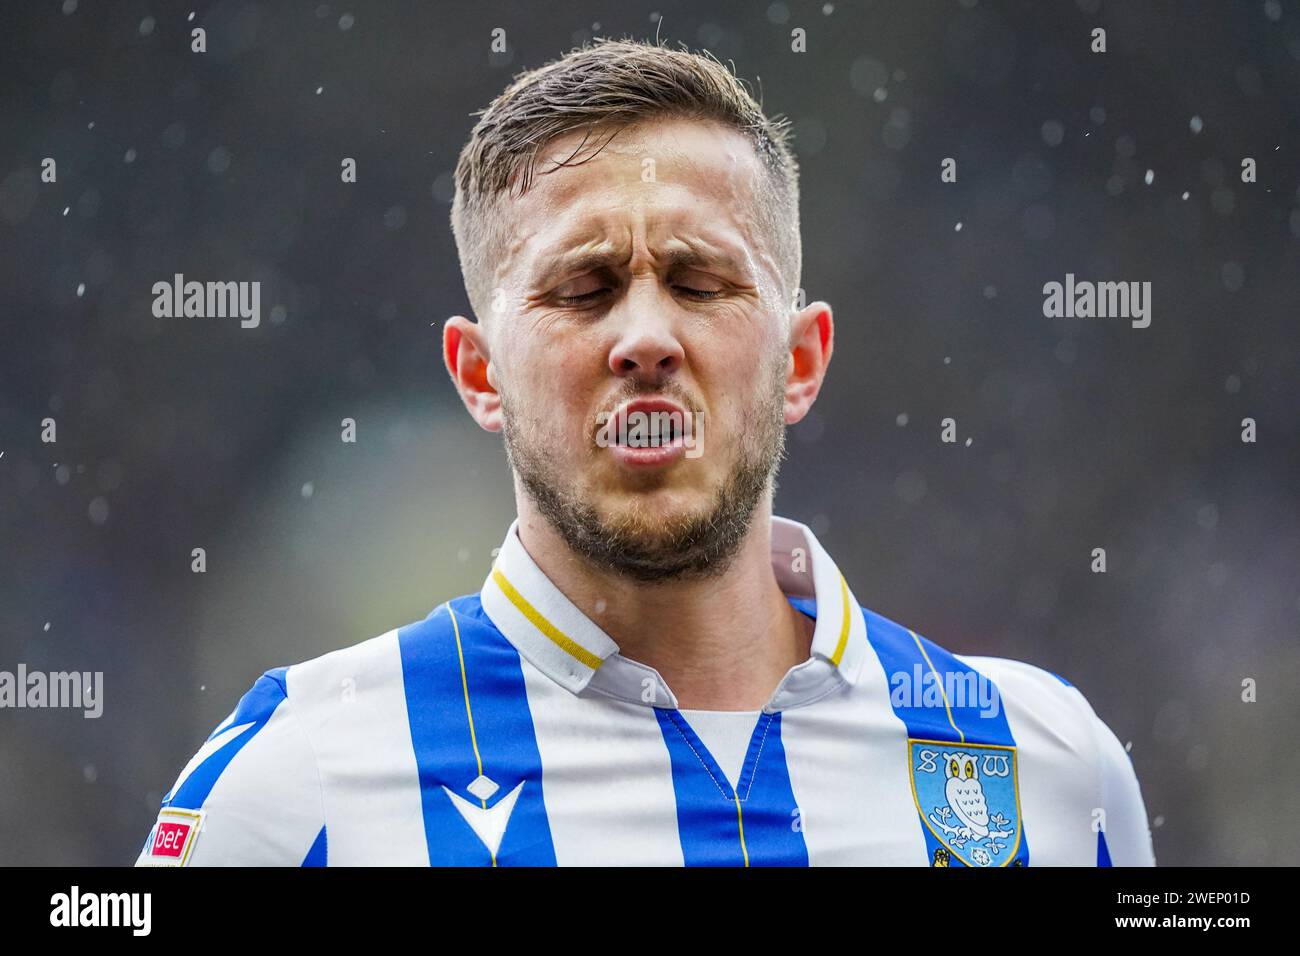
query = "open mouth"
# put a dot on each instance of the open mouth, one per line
(647, 433)
(647, 423)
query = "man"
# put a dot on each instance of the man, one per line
(657, 670)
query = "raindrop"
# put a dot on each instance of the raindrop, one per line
(98, 511)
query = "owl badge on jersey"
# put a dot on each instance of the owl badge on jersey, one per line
(968, 798)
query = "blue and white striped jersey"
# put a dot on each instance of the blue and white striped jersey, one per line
(506, 729)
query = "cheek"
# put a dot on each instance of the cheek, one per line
(734, 371)
(727, 412)
(555, 394)
(739, 335)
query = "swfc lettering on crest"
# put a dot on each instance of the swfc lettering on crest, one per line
(969, 798)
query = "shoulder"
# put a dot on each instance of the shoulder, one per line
(253, 788)
(1053, 699)
(1044, 715)
(1051, 711)
(1044, 692)
(248, 795)
(378, 663)
(1036, 705)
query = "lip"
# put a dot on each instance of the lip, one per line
(651, 457)
(648, 406)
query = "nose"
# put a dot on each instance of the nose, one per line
(647, 346)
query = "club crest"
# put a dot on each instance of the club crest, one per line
(969, 798)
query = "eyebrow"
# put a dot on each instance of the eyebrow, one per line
(676, 257)
(576, 264)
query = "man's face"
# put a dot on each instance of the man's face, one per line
(643, 274)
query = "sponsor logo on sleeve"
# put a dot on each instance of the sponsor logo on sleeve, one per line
(172, 840)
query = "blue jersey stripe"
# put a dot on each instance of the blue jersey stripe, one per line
(754, 824)
(1103, 851)
(773, 829)
(443, 663)
(908, 661)
(255, 707)
(318, 854)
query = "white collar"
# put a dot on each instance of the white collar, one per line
(566, 645)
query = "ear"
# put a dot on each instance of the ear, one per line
(812, 339)
(469, 363)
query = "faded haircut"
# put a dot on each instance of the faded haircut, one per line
(597, 90)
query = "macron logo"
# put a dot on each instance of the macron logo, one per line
(489, 824)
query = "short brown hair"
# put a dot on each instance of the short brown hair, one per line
(611, 83)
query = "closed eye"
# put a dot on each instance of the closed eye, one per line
(604, 288)
(702, 294)
(585, 298)
(596, 284)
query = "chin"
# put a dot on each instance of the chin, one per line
(653, 511)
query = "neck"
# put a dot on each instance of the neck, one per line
(723, 643)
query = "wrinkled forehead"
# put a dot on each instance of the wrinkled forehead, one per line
(670, 178)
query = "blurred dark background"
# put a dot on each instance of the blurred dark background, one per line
(182, 433)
